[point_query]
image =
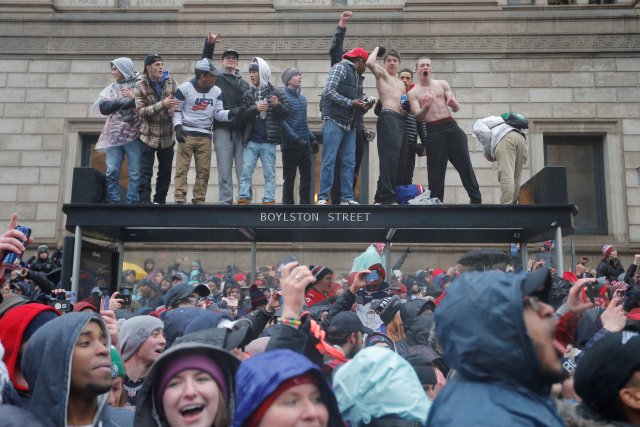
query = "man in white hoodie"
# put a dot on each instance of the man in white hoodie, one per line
(121, 132)
(507, 146)
(265, 107)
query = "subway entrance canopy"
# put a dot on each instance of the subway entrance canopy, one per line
(353, 224)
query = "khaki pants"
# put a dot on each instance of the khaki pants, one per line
(511, 154)
(198, 147)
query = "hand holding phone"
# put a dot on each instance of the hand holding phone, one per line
(372, 277)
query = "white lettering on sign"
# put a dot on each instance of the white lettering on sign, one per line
(314, 216)
(349, 217)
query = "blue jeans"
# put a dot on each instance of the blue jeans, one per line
(133, 151)
(266, 152)
(336, 140)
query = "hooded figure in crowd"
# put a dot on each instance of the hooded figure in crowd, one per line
(268, 382)
(190, 383)
(68, 368)
(497, 333)
(380, 388)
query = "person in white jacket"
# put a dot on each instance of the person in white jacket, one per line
(507, 146)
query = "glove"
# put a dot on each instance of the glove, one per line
(180, 136)
(421, 150)
(381, 52)
(299, 142)
(315, 147)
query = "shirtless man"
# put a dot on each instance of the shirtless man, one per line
(430, 101)
(392, 147)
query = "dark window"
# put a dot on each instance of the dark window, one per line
(90, 158)
(582, 156)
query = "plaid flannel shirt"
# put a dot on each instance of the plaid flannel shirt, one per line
(157, 127)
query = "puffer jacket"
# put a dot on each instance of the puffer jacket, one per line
(295, 128)
(578, 415)
(275, 114)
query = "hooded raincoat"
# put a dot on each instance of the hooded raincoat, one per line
(123, 123)
(46, 365)
(261, 375)
(378, 383)
(481, 329)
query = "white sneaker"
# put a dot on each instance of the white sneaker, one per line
(321, 202)
(349, 203)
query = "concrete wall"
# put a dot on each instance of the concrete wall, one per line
(568, 68)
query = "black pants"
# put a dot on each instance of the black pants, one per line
(392, 152)
(447, 142)
(361, 140)
(165, 159)
(294, 159)
(406, 175)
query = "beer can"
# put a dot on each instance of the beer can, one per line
(12, 259)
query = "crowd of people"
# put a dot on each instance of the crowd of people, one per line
(294, 344)
(244, 121)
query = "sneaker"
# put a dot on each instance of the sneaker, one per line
(180, 202)
(321, 202)
(268, 203)
(243, 201)
(349, 203)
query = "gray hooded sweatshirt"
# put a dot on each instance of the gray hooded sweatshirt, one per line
(47, 368)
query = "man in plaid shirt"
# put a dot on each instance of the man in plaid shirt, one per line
(156, 104)
(341, 107)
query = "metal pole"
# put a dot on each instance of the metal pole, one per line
(525, 256)
(559, 254)
(254, 266)
(387, 260)
(120, 262)
(77, 254)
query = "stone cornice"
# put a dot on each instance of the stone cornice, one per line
(307, 46)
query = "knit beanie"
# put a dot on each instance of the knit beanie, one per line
(258, 298)
(386, 308)
(196, 361)
(607, 249)
(319, 271)
(134, 332)
(288, 73)
(117, 367)
(379, 268)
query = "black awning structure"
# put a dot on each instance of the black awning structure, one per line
(298, 224)
(279, 223)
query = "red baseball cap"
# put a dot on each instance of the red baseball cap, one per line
(357, 52)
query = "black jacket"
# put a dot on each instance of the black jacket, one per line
(275, 115)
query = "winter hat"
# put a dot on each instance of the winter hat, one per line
(607, 249)
(37, 322)
(257, 299)
(288, 73)
(319, 271)
(151, 59)
(196, 361)
(42, 249)
(253, 67)
(135, 331)
(386, 308)
(117, 367)
(240, 276)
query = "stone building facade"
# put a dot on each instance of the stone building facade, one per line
(573, 69)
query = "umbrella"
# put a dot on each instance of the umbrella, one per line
(140, 273)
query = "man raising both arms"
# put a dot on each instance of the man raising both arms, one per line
(392, 148)
(430, 101)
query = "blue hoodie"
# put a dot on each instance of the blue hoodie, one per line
(46, 365)
(261, 375)
(481, 328)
